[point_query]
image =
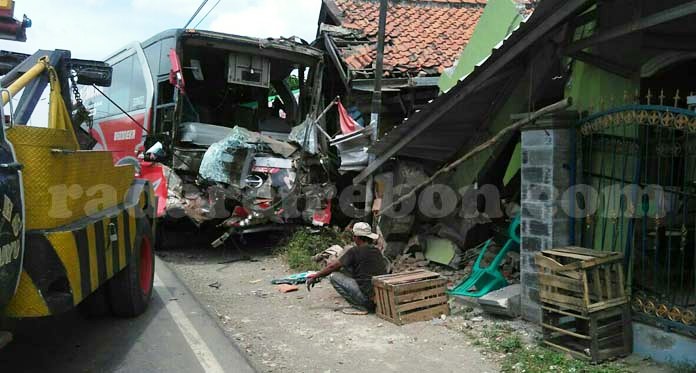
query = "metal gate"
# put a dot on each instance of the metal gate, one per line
(640, 162)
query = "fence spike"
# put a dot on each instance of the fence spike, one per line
(649, 96)
(677, 99)
(662, 97)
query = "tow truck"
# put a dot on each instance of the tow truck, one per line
(75, 230)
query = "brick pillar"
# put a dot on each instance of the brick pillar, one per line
(546, 158)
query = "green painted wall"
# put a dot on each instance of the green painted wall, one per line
(467, 173)
(499, 19)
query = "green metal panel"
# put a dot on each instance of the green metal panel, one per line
(498, 20)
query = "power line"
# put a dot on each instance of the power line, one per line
(196, 13)
(207, 14)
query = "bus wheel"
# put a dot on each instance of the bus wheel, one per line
(131, 289)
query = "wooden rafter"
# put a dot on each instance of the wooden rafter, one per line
(643, 23)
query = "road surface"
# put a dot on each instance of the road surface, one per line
(174, 335)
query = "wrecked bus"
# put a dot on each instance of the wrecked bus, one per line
(224, 126)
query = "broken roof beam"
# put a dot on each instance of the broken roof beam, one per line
(643, 23)
(558, 106)
(333, 54)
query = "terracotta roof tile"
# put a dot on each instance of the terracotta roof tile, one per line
(420, 33)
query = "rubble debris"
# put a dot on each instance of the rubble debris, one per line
(287, 288)
(442, 251)
(244, 258)
(412, 260)
(486, 279)
(260, 293)
(503, 302)
(216, 285)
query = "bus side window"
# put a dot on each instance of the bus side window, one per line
(152, 55)
(138, 89)
(120, 86)
(164, 64)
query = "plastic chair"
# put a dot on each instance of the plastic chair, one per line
(482, 281)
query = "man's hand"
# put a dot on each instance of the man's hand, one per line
(312, 280)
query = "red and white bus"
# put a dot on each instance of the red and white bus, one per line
(186, 89)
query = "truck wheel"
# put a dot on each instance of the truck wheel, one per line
(95, 305)
(131, 289)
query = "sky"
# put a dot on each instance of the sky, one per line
(92, 29)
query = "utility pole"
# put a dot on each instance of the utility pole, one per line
(376, 103)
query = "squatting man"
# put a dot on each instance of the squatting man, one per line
(351, 274)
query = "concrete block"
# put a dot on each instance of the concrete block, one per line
(537, 157)
(504, 302)
(663, 346)
(536, 138)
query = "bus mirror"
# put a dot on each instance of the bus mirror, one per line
(176, 74)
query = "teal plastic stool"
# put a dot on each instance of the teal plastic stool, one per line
(485, 280)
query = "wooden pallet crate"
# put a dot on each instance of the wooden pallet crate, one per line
(595, 337)
(581, 279)
(410, 296)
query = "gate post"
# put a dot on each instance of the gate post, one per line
(546, 175)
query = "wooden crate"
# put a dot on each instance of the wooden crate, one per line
(581, 279)
(596, 337)
(410, 296)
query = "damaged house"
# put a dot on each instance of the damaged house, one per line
(584, 115)
(422, 39)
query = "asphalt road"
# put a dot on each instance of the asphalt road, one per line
(174, 335)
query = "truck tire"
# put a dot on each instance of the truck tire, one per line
(95, 305)
(131, 289)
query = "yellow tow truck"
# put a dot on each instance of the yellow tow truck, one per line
(74, 228)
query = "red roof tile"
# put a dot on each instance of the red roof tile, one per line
(421, 34)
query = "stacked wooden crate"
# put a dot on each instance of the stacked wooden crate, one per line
(585, 310)
(406, 297)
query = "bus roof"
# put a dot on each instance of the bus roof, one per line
(288, 44)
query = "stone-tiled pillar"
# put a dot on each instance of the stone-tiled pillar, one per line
(546, 160)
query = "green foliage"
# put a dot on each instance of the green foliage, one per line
(537, 359)
(305, 243)
(534, 358)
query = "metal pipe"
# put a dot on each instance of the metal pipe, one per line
(196, 13)
(23, 81)
(376, 102)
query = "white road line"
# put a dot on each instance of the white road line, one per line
(200, 348)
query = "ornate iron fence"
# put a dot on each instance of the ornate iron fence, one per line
(640, 161)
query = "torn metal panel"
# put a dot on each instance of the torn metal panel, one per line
(352, 149)
(202, 134)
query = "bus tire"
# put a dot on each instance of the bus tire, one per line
(131, 289)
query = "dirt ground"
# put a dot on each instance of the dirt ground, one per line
(306, 332)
